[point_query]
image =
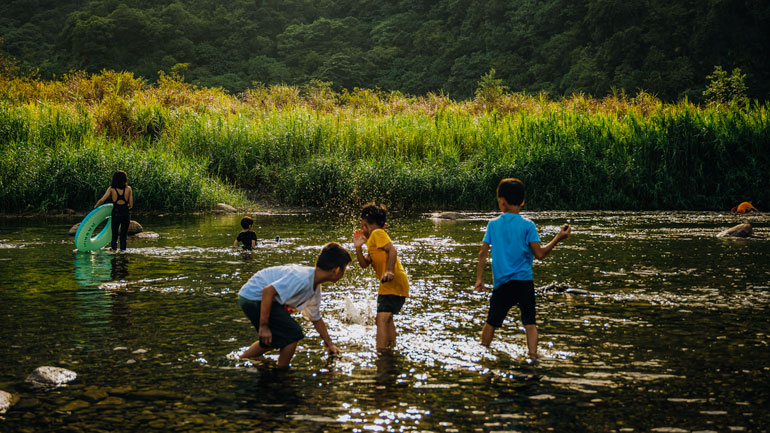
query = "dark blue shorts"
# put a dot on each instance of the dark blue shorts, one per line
(284, 328)
(390, 303)
(515, 292)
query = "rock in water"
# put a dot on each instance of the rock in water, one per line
(134, 228)
(146, 235)
(740, 231)
(225, 208)
(446, 216)
(50, 377)
(7, 400)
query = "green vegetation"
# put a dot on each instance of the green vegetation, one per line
(414, 46)
(186, 148)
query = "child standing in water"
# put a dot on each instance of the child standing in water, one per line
(514, 241)
(383, 256)
(122, 197)
(247, 236)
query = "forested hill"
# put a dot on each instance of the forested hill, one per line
(415, 46)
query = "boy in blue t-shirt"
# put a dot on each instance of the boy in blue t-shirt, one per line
(514, 242)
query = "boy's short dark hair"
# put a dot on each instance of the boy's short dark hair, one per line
(246, 222)
(333, 256)
(512, 190)
(374, 213)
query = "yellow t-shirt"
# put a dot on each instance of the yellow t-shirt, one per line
(399, 285)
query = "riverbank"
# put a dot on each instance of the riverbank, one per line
(186, 149)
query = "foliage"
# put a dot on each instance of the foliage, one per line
(559, 47)
(183, 147)
(723, 89)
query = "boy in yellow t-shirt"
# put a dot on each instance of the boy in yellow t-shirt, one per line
(382, 254)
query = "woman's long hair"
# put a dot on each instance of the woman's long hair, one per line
(119, 179)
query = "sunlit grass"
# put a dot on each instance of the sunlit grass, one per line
(182, 145)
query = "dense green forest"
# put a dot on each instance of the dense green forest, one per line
(559, 47)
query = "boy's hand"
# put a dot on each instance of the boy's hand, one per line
(387, 276)
(564, 232)
(480, 286)
(332, 349)
(359, 239)
(265, 335)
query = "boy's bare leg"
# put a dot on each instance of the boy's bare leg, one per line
(487, 332)
(383, 330)
(285, 355)
(532, 341)
(391, 333)
(254, 351)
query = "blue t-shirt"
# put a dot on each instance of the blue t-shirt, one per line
(509, 236)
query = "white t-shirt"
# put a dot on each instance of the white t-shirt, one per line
(293, 286)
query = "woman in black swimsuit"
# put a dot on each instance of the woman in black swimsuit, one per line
(122, 197)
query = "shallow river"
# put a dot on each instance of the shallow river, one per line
(672, 336)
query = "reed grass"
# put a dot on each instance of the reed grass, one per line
(182, 146)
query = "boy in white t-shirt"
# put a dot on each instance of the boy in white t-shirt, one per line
(265, 298)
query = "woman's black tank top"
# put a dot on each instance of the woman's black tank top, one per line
(120, 208)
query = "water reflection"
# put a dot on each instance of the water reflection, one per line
(671, 336)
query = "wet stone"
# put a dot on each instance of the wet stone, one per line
(74, 405)
(111, 401)
(156, 395)
(27, 404)
(50, 377)
(94, 394)
(7, 400)
(120, 390)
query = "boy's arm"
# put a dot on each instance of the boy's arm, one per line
(101, 200)
(235, 242)
(390, 265)
(253, 244)
(265, 335)
(358, 241)
(541, 252)
(320, 326)
(483, 253)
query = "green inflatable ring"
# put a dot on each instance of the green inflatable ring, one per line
(83, 239)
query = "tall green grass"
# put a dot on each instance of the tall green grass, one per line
(183, 146)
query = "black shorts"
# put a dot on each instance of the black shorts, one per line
(390, 303)
(509, 294)
(284, 328)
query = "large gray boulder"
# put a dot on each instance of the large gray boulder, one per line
(740, 231)
(7, 400)
(50, 377)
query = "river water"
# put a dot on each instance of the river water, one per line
(671, 337)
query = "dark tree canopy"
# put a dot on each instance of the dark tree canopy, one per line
(414, 46)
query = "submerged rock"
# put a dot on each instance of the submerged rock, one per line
(740, 231)
(7, 400)
(50, 377)
(557, 287)
(146, 235)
